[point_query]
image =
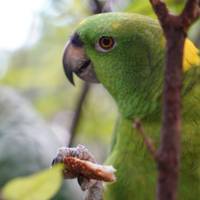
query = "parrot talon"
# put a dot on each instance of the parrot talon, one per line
(80, 152)
(56, 161)
(85, 183)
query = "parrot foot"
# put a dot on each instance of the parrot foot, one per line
(80, 152)
(80, 163)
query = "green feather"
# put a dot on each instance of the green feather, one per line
(132, 72)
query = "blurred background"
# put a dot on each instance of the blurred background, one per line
(39, 109)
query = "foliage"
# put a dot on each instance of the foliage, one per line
(144, 7)
(40, 186)
(36, 70)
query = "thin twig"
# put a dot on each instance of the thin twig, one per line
(77, 114)
(160, 9)
(96, 7)
(147, 141)
(190, 13)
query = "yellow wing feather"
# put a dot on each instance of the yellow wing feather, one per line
(191, 55)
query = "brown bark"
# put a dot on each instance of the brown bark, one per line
(175, 30)
(77, 114)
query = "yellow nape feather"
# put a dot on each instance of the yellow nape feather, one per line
(191, 55)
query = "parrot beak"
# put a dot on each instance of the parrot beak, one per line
(76, 61)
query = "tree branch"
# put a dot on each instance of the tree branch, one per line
(77, 114)
(147, 141)
(160, 9)
(190, 13)
(174, 28)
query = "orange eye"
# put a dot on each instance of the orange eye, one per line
(106, 42)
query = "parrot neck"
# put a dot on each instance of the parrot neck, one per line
(133, 97)
(134, 165)
(127, 135)
(132, 161)
(137, 106)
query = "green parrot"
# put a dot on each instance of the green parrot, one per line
(126, 53)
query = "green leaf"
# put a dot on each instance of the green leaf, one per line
(40, 186)
(144, 7)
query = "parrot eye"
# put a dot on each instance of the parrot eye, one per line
(105, 43)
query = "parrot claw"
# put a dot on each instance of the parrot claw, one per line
(85, 183)
(55, 161)
(80, 163)
(80, 152)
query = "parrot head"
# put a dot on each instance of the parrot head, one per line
(121, 52)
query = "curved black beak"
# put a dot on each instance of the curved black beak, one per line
(76, 61)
